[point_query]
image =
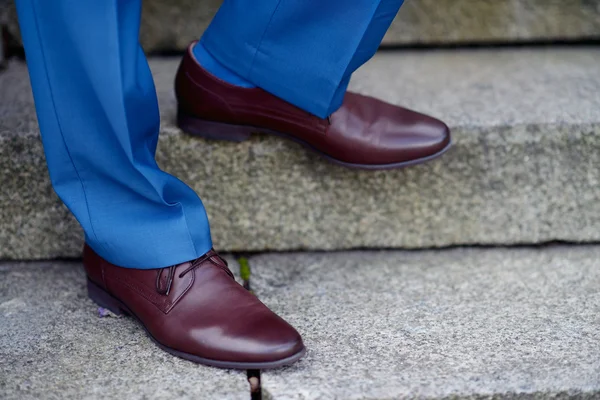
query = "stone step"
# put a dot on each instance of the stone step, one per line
(171, 25)
(454, 324)
(523, 170)
(461, 324)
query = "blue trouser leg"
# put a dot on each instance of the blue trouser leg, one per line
(303, 51)
(98, 115)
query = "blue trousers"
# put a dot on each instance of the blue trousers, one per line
(98, 112)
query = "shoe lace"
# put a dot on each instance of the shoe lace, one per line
(211, 256)
(214, 258)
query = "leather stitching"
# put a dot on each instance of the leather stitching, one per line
(175, 301)
(204, 88)
(162, 303)
(127, 282)
(278, 114)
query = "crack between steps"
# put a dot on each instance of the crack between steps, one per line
(256, 390)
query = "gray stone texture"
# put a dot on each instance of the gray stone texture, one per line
(463, 323)
(524, 167)
(53, 345)
(171, 25)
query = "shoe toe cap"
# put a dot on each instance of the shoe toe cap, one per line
(258, 337)
(273, 340)
(389, 134)
(433, 135)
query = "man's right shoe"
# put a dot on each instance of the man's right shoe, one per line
(364, 133)
(197, 311)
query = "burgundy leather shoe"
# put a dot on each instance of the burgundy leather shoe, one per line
(196, 311)
(364, 133)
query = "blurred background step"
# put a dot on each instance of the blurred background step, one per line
(523, 169)
(169, 25)
(445, 324)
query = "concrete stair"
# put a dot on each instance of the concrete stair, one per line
(444, 324)
(169, 25)
(454, 324)
(523, 170)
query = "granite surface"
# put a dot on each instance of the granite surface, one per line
(54, 345)
(445, 324)
(526, 128)
(169, 25)
(463, 323)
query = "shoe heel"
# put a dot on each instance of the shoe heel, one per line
(212, 130)
(103, 299)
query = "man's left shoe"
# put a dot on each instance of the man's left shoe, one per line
(197, 311)
(363, 133)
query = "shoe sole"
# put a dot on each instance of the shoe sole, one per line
(239, 133)
(117, 307)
